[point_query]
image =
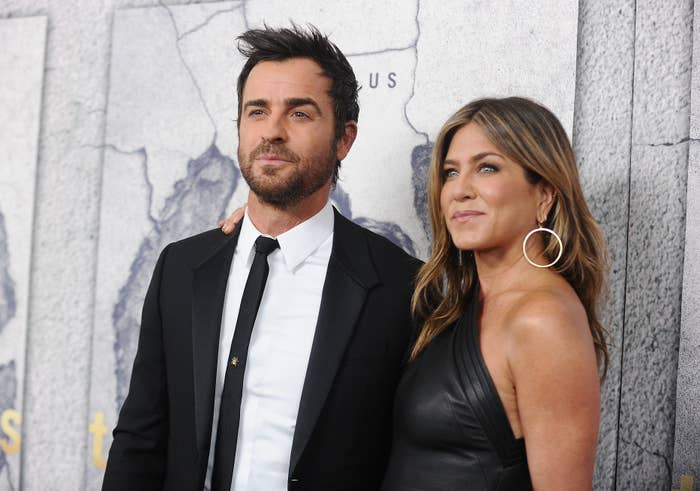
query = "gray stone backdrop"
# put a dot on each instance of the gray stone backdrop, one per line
(631, 132)
(686, 456)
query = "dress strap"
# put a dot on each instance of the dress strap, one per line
(481, 390)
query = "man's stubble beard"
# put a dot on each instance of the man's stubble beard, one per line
(309, 174)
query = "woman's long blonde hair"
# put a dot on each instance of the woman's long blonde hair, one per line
(532, 136)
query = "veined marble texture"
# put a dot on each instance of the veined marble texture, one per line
(22, 69)
(170, 168)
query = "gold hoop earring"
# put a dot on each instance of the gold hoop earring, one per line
(543, 229)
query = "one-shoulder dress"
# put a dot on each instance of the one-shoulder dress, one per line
(451, 431)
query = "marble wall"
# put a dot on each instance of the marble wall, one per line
(630, 131)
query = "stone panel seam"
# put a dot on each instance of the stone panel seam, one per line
(34, 246)
(96, 243)
(666, 144)
(650, 452)
(627, 254)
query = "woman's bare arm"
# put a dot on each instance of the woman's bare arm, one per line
(553, 365)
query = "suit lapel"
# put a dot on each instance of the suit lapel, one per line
(349, 277)
(208, 291)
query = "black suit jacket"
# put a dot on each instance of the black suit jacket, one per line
(343, 430)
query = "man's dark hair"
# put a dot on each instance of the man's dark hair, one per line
(279, 44)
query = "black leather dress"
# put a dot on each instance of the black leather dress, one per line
(450, 428)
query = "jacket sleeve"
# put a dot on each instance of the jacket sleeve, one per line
(137, 458)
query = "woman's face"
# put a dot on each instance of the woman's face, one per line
(486, 200)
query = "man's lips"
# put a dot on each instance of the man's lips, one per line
(273, 154)
(272, 158)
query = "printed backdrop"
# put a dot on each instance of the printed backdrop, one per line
(170, 169)
(21, 75)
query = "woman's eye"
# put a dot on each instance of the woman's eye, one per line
(448, 173)
(487, 168)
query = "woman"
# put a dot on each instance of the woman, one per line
(501, 391)
(502, 388)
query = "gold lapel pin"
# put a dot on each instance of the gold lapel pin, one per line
(234, 361)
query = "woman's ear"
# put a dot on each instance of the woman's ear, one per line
(546, 196)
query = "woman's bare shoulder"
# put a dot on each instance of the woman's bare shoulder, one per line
(548, 314)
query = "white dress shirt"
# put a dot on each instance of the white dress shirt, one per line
(279, 348)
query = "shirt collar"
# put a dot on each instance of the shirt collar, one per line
(297, 243)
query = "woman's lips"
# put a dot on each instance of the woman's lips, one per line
(465, 215)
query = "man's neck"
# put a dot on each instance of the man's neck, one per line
(274, 221)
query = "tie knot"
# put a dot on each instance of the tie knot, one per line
(265, 245)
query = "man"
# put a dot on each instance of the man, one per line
(313, 409)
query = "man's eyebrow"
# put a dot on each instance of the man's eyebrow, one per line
(302, 101)
(255, 103)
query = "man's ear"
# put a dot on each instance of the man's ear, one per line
(346, 141)
(547, 197)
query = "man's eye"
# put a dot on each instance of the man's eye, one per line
(255, 112)
(300, 114)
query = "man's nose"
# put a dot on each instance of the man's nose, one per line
(275, 130)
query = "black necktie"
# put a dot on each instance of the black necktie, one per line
(229, 415)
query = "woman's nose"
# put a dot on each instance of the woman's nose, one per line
(463, 187)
